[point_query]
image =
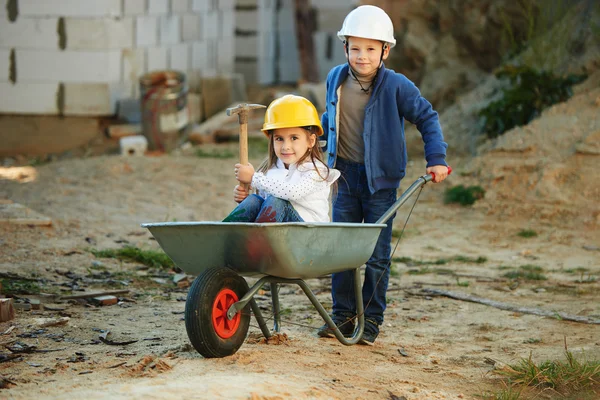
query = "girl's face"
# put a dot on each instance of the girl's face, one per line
(364, 54)
(290, 144)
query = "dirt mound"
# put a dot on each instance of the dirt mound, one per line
(550, 164)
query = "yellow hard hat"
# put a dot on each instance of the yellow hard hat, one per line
(291, 111)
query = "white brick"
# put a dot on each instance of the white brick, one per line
(4, 65)
(246, 46)
(249, 69)
(134, 64)
(204, 57)
(29, 33)
(335, 4)
(146, 31)
(247, 3)
(337, 55)
(134, 7)
(169, 30)
(289, 63)
(199, 55)
(225, 56)
(93, 99)
(246, 20)
(227, 24)
(180, 6)
(28, 98)
(68, 66)
(266, 46)
(191, 27)
(266, 71)
(286, 20)
(226, 5)
(70, 8)
(158, 7)
(99, 34)
(200, 5)
(180, 57)
(210, 25)
(157, 58)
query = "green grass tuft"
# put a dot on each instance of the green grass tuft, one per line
(527, 233)
(462, 195)
(150, 258)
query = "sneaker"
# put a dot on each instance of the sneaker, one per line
(345, 325)
(370, 333)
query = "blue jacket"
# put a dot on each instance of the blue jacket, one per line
(394, 99)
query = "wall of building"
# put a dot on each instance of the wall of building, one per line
(78, 57)
(265, 46)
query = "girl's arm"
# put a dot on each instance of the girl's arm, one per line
(309, 183)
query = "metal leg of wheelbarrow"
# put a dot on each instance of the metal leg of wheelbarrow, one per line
(248, 298)
(276, 309)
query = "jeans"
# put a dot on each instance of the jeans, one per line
(355, 203)
(256, 209)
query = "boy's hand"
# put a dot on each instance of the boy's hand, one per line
(244, 173)
(239, 194)
(440, 172)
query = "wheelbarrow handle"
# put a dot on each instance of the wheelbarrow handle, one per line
(406, 195)
(433, 173)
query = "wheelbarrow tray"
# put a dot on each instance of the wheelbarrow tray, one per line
(291, 250)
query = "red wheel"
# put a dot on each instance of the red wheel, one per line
(210, 331)
(224, 327)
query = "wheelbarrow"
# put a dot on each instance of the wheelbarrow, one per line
(221, 254)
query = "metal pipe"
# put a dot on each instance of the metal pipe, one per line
(405, 196)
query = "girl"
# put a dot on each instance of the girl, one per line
(294, 183)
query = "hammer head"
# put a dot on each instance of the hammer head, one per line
(243, 109)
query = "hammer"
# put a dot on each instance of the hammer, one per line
(242, 111)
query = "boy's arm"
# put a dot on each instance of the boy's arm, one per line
(416, 109)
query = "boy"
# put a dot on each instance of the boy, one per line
(364, 123)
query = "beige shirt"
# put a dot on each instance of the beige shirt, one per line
(352, 114)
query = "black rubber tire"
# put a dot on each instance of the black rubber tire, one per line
(199, 308)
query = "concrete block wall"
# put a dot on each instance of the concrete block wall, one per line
(265, 39)
(79, 57)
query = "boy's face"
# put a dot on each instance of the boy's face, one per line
(364, 55)
(291, 144)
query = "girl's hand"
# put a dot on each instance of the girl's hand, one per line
(239, 194)
(440, 172)
(244, 173)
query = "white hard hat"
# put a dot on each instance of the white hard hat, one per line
(369, 22)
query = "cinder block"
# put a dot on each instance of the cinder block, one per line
(99, 34)
(227, 23)
(335, 4)
(134, 64)
(134, 7)
(247, 3)
(180, 57)
(266, 71)
(225, 55)
(226, 5)
(324, 42)
(68, 66)
(129, 109)
(191, 27)
(331, 20)
(133, 146)
(146, 31)
(157, 58)
(286, 21)
(210, 24)
(158, 7)
(266, 46)
(246, 46)
(249, 69)
(200, 6)
(4, 65)
(169, 29)
(28, 98)
(93, 99)
(29, 33)
(70, 8)
(246, 20)
(180, 6)
(199, 55)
